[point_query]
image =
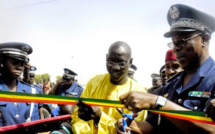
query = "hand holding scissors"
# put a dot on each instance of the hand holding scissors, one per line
(129, 116)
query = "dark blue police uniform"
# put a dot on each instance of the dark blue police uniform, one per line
(184, 19)
(15, 112)
(203, 80)
(12, 113)
(74, 90)
(36, 115)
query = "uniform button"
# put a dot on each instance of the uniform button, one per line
(195, 108)
(15, 103)
(180, 100)
(17, 116)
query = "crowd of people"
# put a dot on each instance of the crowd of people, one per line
(188, 68)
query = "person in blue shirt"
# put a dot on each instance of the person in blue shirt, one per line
(28, 78)
(13, 56)
(66, 86)
(190, 31)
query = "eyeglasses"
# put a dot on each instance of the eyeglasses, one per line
(120, 64)
(183, 42)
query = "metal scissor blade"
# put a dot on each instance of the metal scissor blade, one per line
(120, 111)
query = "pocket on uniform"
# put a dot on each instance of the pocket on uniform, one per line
(192, 104)
(2, 103)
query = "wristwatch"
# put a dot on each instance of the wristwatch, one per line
(160, 102)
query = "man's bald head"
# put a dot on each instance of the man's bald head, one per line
(122, 46)
(118, 62)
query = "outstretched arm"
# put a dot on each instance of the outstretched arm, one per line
(139, 101)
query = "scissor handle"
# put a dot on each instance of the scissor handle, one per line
(129, 116)
(124, 124)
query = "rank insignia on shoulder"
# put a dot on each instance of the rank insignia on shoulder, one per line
(166, 95)
(199, 94)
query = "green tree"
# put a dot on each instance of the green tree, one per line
(45, 77)
(38, 78)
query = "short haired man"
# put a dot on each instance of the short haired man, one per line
(172, 66)
(190, 32)
(107, 86)
(156, 82)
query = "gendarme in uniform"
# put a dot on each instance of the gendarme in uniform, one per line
(196, 93)
(74, 90)
(15, 112)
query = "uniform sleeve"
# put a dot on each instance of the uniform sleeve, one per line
(80, 90)
(1, 124)
(152, 119)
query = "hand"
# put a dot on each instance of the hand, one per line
(138, 101)
(119, 126)
(60, 81)
(133, 127)
(86, 112)
(210, 110)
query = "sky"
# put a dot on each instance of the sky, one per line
(76, 34)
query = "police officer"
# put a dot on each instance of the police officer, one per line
(29, 76)
(67, 85)
(190, 31)
(131, 71)
(32, 74)
(13, 56)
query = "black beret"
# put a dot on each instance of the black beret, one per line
(69, 74)
(183, 18)
(17, 50)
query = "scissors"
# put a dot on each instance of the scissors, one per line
(129, 116)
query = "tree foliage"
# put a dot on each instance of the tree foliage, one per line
(38, 78)
(45, 77)
(42, 77)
